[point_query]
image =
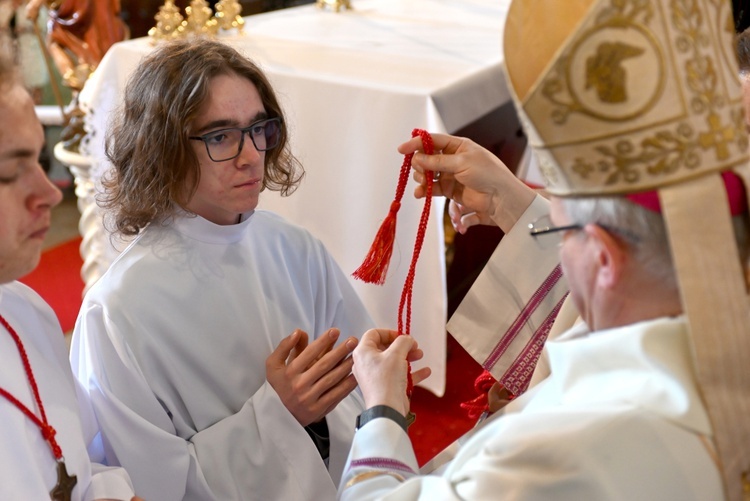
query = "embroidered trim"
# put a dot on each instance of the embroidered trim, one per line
(518, 376)
(523, 317)
(383, 463)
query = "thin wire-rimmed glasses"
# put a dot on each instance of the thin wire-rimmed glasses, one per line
(546, 233)
(226, 144)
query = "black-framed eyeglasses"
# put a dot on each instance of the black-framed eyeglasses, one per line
(547, 233)
(226, 144)
(544, 226)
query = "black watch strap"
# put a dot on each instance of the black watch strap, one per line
(381, 411)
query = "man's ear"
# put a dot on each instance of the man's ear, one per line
(610, 254)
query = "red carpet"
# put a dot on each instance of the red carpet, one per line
(58, 280)
(440, 421)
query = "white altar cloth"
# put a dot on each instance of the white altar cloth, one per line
(354, 84)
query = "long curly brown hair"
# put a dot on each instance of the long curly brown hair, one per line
(154, 166)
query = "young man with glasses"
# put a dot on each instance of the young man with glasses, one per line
(210, 347)
(647, 396)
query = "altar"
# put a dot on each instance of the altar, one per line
(353, 85)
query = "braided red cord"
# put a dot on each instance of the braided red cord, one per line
(375, 265)
(404, 325)
(481, 404)
(476, 406)
(48, 432)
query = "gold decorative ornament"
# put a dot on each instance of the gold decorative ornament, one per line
(336, 5)
(76, 76)
(228, 15)
(168, 22)
(681, 120)
(199, 20)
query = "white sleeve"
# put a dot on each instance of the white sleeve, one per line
(505, 317)
(254, 450)
(565, 456)
(107, 482)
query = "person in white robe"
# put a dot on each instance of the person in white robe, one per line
(212, 341)
(28, 464)
(643, 398)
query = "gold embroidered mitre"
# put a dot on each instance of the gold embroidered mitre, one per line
(642, 93)
(626, 96)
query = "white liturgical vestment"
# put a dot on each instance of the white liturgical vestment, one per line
(172, 343)
(28, 470)
(619, 418)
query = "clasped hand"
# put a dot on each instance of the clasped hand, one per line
(311, 379)
(380, 365)
(480, 187)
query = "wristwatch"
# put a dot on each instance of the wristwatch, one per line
(386, 412)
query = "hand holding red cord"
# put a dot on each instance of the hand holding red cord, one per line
(375, 265)
(381, 361)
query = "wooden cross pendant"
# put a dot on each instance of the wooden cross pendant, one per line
(63, 491)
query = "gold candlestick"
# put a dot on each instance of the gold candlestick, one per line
(199, 21)
(228, 15)
(336, 5)
(168, 22)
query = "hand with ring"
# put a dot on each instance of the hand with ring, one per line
(481, 188)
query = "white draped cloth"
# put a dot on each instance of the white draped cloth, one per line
(172, 341)
(619, 418)
(29, 469)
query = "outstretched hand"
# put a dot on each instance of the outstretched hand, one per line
(380, 365)
(311, 379)
(481, 188)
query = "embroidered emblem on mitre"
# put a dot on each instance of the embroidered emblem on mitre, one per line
(639, 94)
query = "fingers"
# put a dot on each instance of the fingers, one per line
(299, 347)
(404, 346)
(327, 370)
(410, 146)
(330, 378)
(379, 338)
(442, 160)
(317, 377)
(441, 142)
(283, 351)
(337, 394)
(414, 355)
(462, 218)
(316, 350)
(498, 397)
(420, 375)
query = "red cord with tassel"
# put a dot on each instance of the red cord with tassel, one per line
(375, 265)
(480, 405)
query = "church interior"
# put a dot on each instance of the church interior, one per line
(394, 65)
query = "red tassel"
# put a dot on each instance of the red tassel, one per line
(375, 265)
(480, 404)
(476, 406)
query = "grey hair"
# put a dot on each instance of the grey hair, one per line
(642, 230)
(645, 232)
